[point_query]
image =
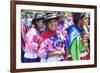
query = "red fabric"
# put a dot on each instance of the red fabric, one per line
(69, 58)
(81, 58)
(85, 57)
(47, 34)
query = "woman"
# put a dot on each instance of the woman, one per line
(52, 42)
(77, 42)
(32, 39)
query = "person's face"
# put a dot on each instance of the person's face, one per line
(52, 24)
(40, 23)
(85, 21)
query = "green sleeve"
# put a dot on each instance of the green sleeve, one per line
(75, 53)
(76, 48)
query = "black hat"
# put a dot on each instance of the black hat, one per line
(60, 14)
(38, 16)
(50, 16)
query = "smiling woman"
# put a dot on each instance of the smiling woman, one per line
(45, 34)
(53, 50)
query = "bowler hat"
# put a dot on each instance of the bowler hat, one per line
(38, 16)
(51, 16)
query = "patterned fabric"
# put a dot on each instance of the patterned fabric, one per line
(52, 41)
(77, 47)
(31, 41)
(31, 46)
(73, 32)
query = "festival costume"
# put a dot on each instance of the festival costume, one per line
(77, 48)
(31, 46)
(51, 42)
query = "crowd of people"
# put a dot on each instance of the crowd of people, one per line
(53, 37)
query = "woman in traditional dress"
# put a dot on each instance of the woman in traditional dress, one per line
(32, 39)
(52, 41)
(78, 44)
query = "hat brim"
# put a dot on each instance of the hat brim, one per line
(51, 19)
(35, 20)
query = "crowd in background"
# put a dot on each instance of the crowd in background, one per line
(50, 36)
